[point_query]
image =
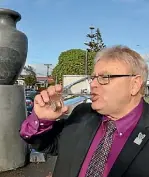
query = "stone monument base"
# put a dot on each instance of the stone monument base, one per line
(13, 149)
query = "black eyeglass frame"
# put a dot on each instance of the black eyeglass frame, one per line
(108, 77)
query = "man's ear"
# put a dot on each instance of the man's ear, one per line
(136, 84)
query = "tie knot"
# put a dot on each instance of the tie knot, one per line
(111, 125)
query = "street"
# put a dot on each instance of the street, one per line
(33, 169)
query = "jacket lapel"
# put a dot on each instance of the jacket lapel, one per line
(90, 126)
(133, 146)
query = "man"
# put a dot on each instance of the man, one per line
(106, 138)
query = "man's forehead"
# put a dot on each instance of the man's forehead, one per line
(108, 67)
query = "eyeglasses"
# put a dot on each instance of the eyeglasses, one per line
(105, 79)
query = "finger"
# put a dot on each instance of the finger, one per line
(58, 88)
(38, 100)
(45, 96)
(51, 91)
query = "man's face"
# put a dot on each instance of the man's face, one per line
(114, 96)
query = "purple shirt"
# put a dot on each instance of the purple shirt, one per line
(124, 126)
(32, 126)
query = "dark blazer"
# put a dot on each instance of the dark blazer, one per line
(71, 138)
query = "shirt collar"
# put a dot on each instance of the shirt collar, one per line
(128, 120)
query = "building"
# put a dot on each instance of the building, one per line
(21, 78)
(44, 81)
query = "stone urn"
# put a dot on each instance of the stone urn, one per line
(13, 47)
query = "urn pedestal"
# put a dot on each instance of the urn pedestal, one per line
(13, 53)
(13, 150)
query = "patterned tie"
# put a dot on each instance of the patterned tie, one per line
(100, 156)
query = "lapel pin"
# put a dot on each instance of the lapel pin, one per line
(138, 140)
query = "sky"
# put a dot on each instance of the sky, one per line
(54, 26)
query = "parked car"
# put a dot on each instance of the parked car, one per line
(31, 93)
(73, 102)
(78, 99)
(29, 105)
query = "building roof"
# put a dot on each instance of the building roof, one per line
(50, 79)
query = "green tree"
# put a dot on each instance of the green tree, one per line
(30, 70)
(30, 78)
(72, 62)
(99, 45)
(96, 43)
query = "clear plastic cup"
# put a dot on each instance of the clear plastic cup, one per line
(57, 101)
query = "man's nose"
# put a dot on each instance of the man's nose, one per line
(94, 83)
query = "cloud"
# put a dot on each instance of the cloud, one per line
(146, 57)
(41, 69)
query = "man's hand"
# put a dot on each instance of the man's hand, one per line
(43, 106)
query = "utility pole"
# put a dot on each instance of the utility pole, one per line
(90, 44)
(48, 67)
(86, 62)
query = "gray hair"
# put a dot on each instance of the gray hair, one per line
(125, 54)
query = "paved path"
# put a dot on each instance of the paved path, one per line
(32, 169)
